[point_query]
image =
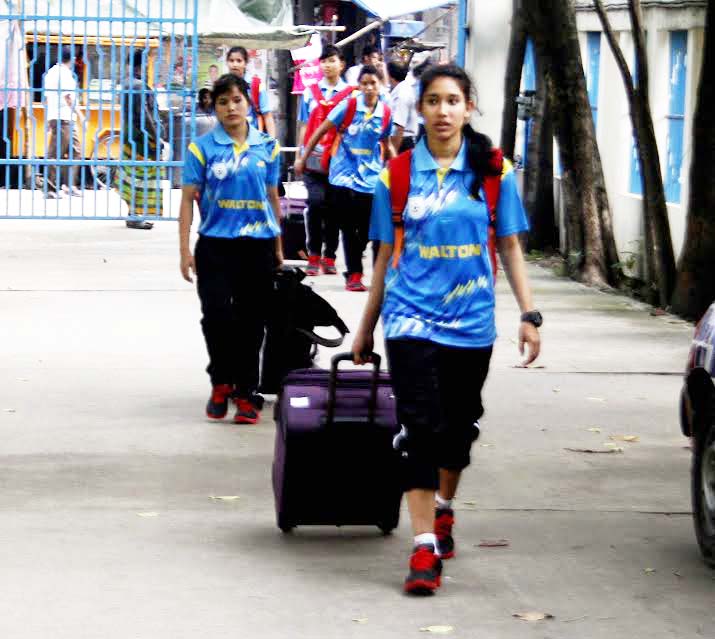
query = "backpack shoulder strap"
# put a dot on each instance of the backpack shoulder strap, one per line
(256, 93)
(349, 114)
(386, 115)
(398, 169)
(492, 183)
(317, 93)
(339, 97)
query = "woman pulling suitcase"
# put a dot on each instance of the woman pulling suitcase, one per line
(363, 123)
(435, 289)
(233, 172)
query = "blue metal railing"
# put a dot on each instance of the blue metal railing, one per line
(95, 137)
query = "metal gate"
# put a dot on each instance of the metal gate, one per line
(97, 107)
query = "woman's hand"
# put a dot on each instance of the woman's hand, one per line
(363, 345)
(299, 167)
(187, 266)
(529, 335)
(279, 259)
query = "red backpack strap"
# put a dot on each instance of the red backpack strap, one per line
(317, 93)
(492, 186)
(349, 114)
(345, 93)
(398, 169)
(386, 115)
(256, 93)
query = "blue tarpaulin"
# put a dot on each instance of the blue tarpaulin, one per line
(396, 8)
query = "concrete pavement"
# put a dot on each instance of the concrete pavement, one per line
(108, 528)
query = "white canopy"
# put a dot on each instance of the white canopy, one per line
(255, 24)
(385, 10)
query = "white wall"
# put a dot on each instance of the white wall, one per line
(486, 55)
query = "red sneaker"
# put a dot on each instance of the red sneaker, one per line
(313, 265)
(355, 284)
(246, 412)
(217, 406)
(425, 571)
(443, 522)
(328, 266)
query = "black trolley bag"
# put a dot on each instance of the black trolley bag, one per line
(334, 461)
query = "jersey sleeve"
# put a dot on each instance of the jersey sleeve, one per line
(264, 104)
(194, 173)
(337, 115)
(304, 112)
(273, 168)
(381, 226)
(511, 217)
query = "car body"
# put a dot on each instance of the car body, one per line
(697, 420)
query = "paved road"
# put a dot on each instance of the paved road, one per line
(107, 468)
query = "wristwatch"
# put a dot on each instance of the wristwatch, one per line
(533, 317)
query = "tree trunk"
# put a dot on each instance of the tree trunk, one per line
(512, 80)
(695, 287)
(556, 41)
(539, 173)
(660, 261)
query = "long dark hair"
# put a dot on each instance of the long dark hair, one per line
(241, 50)
(478, 145)
(225, 83)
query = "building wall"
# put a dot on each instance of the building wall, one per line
(486, 59)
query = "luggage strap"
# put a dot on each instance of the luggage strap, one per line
(324, 341)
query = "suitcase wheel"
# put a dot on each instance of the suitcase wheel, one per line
(285, 526)
(386, 528)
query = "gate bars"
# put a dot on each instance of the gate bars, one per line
(93, 137)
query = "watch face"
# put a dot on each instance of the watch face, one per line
(534, 317)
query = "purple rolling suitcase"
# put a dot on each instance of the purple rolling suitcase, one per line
(334, 461)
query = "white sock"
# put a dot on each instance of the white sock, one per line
(426, 538)
(442, 502)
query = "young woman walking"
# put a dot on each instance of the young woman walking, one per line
(436, 296)
(233, 172)
(260, 115)
(355, 166)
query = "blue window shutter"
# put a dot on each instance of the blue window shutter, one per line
(592, 77)
(676, 113)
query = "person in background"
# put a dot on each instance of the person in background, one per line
(233, 172)
(323, 226)
(435, 290)
(140, 184)
(59, 88)
(359, 157)
(404, 124)
(204, 103)
(370, 56)
(213, 76)
(260, 114)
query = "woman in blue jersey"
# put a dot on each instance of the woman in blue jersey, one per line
(259, 110)
(437, 304)
(355, 167)
(233, 173)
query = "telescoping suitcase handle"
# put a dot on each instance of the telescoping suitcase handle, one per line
(333, 385)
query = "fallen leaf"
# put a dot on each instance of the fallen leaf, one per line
(22, 379)
(649, 571)
(624, 438)
(575, 619)
(493, 543)
(469, 503)
(591, 450)
(677, 574)
(556, 390)
(487, 445)
(532, 616)
(595, 399)
(149, 514)
(225, 497)
(360, 620)
(438, 630)
(593, 430)
(8, 410)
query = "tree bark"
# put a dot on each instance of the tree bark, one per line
(556, 40)
(695, 288)
(512, 80)
(539, 172)
(660, 260)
